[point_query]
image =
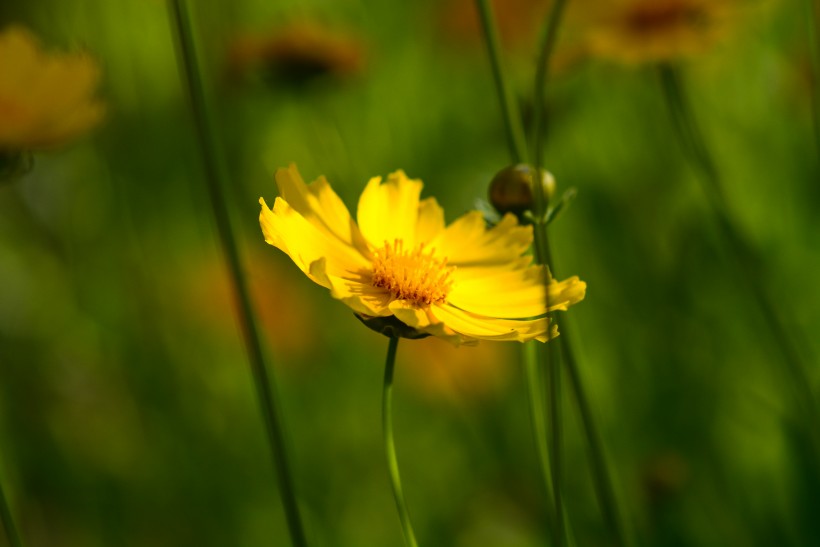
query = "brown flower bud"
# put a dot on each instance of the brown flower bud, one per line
(511, 190)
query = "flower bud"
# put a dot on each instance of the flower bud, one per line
(511, 190)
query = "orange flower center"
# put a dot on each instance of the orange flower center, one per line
(414, 274)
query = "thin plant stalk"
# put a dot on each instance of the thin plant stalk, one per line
(12, 535)
(600, 470)
(215, 179)
(553, 356)
(516, 144)
(513, 129)
(541, 71)
(601, 475)
(745, 257)
(390, 446)
(538, 413)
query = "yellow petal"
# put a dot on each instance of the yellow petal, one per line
(467, 241)
(489, 328)
(306, 244)
(430, 220)
(390, 211)
(360, 295)
(423, 319)
(514, 294)
(320, 205)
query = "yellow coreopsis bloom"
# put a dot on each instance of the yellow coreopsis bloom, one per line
(462, 282)
(647, 31)
(45, 99)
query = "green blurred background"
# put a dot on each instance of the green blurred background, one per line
(127, 410)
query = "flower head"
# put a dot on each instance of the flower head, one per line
(646, 31)
(297, 54)
(400, 262)
(45, 99)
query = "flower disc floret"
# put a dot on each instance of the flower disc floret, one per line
(415, 275)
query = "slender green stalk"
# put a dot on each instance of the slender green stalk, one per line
(745, 257)
(813, 20)
(389, 445)
(538, 415)
(541, 70)
(550, 470)
(513, 128)
(553, 356)
(215, 181)
(12, 535)
(601, 475)
(602, 480)
(557, 441)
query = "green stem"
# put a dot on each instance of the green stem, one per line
(539, 425)
(556, 419)
(513, 128)
(600, 471)
(601, 475)
(540, 100)
(8, 521)
(745, 257)
(542, 250)
(389, 445)
(215, 181)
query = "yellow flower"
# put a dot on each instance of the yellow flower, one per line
(45, 99)
(461, 282)
(297, 53)
(647, 31)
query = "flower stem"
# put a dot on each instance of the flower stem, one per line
(542, 251)
(600, 471)
(12, 535)
(539, 128)
(389, 445)
(600, 468)
(513, 128)
(215, 180)
(745, 257)
(550, 470)
(539, 425)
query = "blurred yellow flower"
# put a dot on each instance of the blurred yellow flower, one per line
(647, 31)
(297, 53)
(45, 99)
(461, 282)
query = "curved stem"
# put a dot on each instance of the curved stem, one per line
(389, 445)
(601, 475)
(513, 128)
(600, 472)
(542, 250)
(745, 256)
(8, 521)
(557, 444)
(538, 422)
(541, 70)
(215, 179)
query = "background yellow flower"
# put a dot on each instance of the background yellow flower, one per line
(645, 31)
(46, 99)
